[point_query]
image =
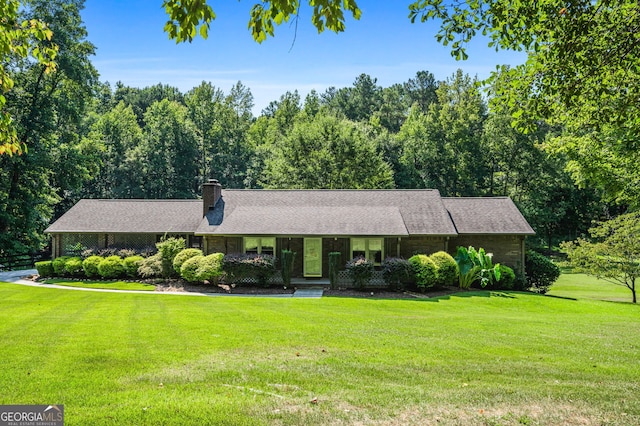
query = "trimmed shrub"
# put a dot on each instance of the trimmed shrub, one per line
(446, 268)
(58, 265)
(210, 267)
(73, 266)
(131, 265)
(150, 267)
(396, 272)
(168, 249)
(334, 266)
(189, 269)
(45, 268)
(424, 271)
(264, 267)
(541, 272)
(90, 266)
(287, 259)
(111, 267)
(506, 281)
(507, 278)
(258, 266)
(183, 256)
(360, 271)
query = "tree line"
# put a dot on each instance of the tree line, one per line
(87, 139)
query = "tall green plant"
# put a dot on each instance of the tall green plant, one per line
(288, 257)
(476, 265)
(334, 267)
(168, 249)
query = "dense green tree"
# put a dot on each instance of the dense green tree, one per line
(613, 254)
(20, 38)
(421, 90)
(49, 108)
(233, 157)
(393, 108)
(443, 148)
(166, 159)
(115, 135)
(581, 73)
(141, 99)
(326, 152)
(206, 105)
(581, 70)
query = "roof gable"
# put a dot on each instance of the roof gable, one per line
(486, 215)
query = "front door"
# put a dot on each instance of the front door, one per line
(313, 257)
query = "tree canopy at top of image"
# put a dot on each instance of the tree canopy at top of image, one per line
(20, 39)
(582, 71)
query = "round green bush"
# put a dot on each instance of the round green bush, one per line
(210, 267)
(111, 267)
(131, 264)
(507, 278)
(90, 266)
(396, 272)
(73, 267)
(183, 256)
(424, 271)
(58, 265)
(45, 268)
(446, 268)
(541, 272)
(189, 269)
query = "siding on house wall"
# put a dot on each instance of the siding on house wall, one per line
(506, 249)
(421, 245)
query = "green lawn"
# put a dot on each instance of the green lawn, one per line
(476, 358)
(109, 285)
(581, 286)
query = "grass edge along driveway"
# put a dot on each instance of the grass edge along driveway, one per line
(473, 358)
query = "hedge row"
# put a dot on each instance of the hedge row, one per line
(189, 264)
(92, 267)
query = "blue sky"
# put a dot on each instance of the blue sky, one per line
(133, 48)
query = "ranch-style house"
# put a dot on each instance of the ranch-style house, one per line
(372, 223)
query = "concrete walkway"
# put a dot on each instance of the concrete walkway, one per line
(312, 292)
(17, 277)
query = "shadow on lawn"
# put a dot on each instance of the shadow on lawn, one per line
(436, 296)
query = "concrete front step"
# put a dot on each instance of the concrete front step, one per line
(310, 292)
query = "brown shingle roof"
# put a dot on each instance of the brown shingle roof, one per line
(130, 216)
(329, 212)
(487, 215)
(301, 212)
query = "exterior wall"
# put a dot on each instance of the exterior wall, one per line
(329, 245)
(506, 249)
(422, 245)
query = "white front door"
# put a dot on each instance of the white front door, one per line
(313, 257)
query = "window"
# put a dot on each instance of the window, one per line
(260, 245)
(369, 248)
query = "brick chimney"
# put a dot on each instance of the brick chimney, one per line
(211, 193)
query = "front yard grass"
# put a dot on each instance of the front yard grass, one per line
(108, 285)
(471, 358)
(582, 286)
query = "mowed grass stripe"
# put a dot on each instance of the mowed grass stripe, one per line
(477, 357)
